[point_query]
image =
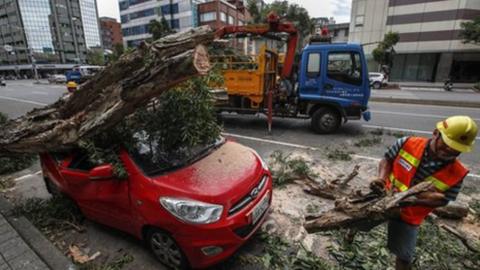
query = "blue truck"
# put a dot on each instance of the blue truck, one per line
(329, 83)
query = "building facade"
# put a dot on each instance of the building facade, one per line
(430, 47)
(219, 13)
(135, 16)
(47, 31)
(111, 32)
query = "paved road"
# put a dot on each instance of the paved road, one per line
(459, 95)
(21, 96)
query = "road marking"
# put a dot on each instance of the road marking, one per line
(403, 129)
(23, 177)
(416, 114)
(422, 105)
(23, 100)
(308, 147)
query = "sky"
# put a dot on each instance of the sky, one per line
(339, 9)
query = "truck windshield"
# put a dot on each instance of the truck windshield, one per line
(148, 155)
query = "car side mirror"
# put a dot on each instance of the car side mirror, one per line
(103, 172)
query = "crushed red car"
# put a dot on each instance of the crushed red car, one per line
(192, 212)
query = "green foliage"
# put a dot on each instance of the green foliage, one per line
(279, 254)
(338, 154)
(50, 216)
(16, 162)
(95, 57)
(159, 29)
(179, 120)
(367, 142)
(436, 249)
(118, 51)
(471, 31)
(384, 52)
(286, 169)
(254, 11)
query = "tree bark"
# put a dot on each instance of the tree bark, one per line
(362, 213)
(111, 95)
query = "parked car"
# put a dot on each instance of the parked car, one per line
(3, 82)
(191, 213)
(377, 79)
(57, 78)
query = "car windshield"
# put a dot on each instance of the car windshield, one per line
(148, 155)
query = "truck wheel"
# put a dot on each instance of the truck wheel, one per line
(166, 250)
(325, 120)
(377, 85)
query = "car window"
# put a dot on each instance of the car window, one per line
(81, 162)
(345, 67)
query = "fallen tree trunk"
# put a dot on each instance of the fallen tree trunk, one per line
(112, 94)
(364, 212)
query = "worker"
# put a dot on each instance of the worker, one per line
(72, 86)
(415, 159)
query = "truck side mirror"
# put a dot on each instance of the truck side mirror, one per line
(103, 172)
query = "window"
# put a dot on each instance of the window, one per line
(82, 162)
(175, 24)
(313, 65)
(223, 16)
(345, 67)
(170, 9)
(240, 23)
(206, 17)
(231, 20)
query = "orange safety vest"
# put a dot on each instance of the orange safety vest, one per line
(404, 168)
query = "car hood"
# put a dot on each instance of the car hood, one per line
(223, 176)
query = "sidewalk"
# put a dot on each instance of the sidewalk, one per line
(457, 98)
(23, 247)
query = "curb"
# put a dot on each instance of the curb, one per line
(44, 249)
(450, 103)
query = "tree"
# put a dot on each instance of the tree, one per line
(254, 11)
(384, 52)
(471, 31)
(159, 29)
(111, 95)
(95, 57)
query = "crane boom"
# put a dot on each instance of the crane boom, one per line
(273, 25)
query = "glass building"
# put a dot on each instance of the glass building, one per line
(36, 25)
(88, 9)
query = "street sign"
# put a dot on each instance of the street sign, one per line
(7, 48)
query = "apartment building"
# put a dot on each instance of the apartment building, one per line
(111, 32)
(135, 16)
(430, 47)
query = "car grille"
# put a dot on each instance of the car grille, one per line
(251, 195)
(244, 231)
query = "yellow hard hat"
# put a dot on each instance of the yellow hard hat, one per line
(458, 132)
(71, 84)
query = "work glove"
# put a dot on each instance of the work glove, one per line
(378, 185)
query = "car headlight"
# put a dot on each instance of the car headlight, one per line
(192, 211)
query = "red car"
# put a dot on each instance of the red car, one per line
(192, 213)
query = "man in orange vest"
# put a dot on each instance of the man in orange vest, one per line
(413, 160)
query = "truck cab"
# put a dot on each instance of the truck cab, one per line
(333, 85)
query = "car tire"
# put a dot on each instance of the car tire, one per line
(377, 85)
(325, 120)
(52, 188)
(166, 250)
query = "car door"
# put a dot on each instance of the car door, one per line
(104, 200)
(344, 76)
(311, 78)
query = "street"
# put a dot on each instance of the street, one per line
(18, 97)
(364, 141)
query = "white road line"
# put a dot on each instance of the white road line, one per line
(23, 101)
(403, 129)
(307, 147)
(416, 114)
(23, 177)
(417, 105)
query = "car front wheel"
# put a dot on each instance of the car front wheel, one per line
(377, 85)
(166, 250)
